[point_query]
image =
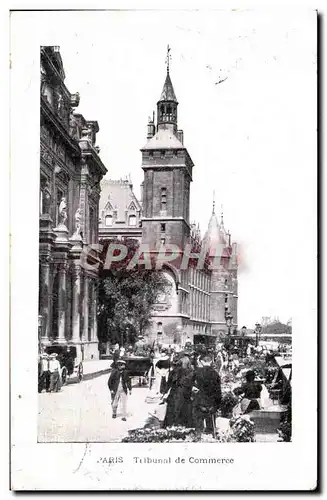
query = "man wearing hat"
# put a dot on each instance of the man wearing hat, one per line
(120, 385)
(44, 374)
(54, 369)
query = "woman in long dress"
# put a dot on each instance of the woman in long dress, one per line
(179, 392)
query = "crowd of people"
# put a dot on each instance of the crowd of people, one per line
(188, 383)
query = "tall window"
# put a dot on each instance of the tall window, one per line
(91, 219)
(41, 201)
(163, 199)
(60, 195)
(108, 220)
(132, 220)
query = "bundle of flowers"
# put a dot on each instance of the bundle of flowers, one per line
(285, 428)
(228, 378)
(242, 429)
(171, 434)
(228, 401)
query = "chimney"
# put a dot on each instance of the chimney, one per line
(180, 136)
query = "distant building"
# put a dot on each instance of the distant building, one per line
(119, 210)
(70, 175)
(197, 300)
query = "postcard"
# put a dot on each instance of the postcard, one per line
(163, 280)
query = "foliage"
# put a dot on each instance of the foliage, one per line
(278, 328)
(173, 434)
(126, 297)
(176, 433)
(285, 428)
(242, 429)
(259, 365)
(228, 401)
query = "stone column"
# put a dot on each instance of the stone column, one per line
(76, 272)
(85, 308)
(62, 269)
(94, 337)
(45, 297)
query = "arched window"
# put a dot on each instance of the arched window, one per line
(163, 199)
(108, 220)
(132, 220)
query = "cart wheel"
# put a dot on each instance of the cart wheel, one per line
(80, 372)
(64, 376)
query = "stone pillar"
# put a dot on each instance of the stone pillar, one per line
(85, 308)
(94, 337)
(62, 302)
(45, 298)
(76, 272)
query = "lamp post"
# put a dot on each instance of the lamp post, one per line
(258, 330)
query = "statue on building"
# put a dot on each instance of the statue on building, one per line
(78, 221)
(62, 211)
(87, 133)
(73, 127)
(60, 104)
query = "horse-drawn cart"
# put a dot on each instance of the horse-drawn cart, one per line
(139, 366)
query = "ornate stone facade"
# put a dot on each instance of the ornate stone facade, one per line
(70, 175)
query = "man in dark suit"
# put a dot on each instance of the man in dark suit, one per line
(206, 396)
(120, 385)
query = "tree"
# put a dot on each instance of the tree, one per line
(126, 298)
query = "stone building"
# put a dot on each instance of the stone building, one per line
(196, 301)
(70, 175)
(119, 210)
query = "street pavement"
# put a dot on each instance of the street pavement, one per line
(82, 413)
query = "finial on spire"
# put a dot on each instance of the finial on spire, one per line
(213, 202)
(168, 58)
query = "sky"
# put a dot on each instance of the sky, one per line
(251, 136)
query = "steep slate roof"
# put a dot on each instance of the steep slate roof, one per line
(214, 236)
(119, 193)
(168, 93)
(164, 139)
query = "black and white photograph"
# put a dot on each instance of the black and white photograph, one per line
(174, 170)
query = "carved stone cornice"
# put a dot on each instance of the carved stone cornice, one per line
(50, 115)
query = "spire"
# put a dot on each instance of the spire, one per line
(168, 93)
(167, 104)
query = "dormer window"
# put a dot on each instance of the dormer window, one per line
(108, 220)
(132, 220)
